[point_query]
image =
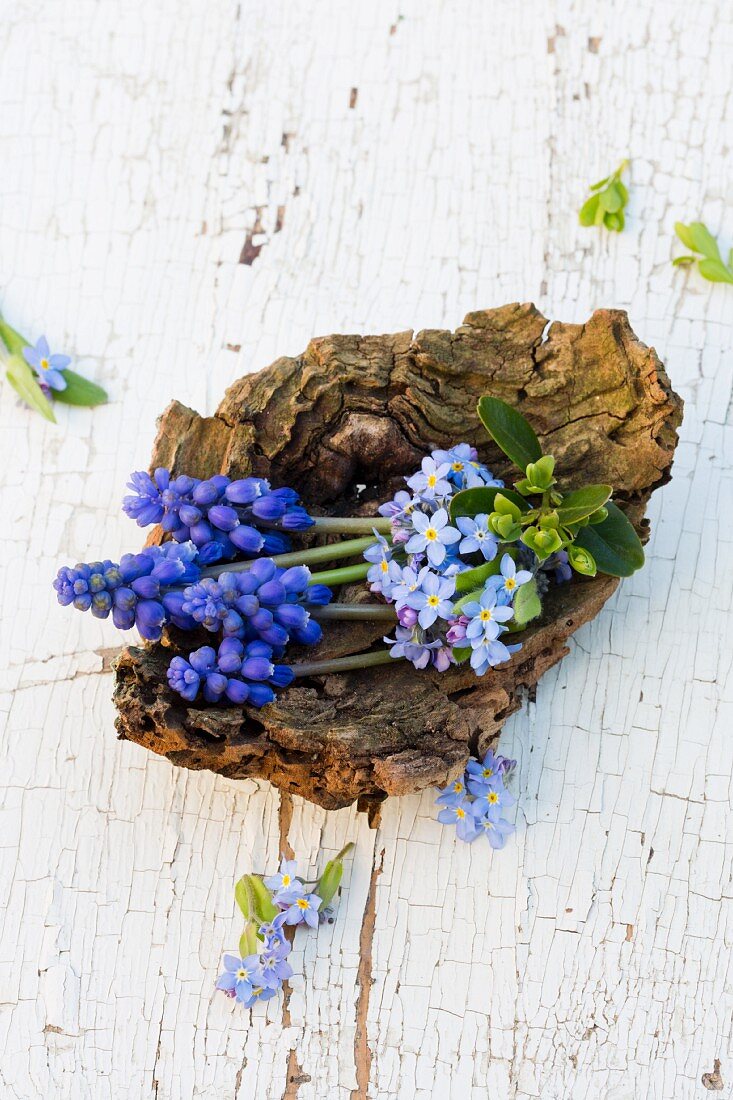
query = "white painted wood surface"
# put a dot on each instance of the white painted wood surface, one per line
(399, 162)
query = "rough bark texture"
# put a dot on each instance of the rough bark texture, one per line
(362, 411)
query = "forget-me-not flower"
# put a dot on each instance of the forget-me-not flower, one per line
(462, 816)
(487, 617)
(432, 535)
(431, 480)
(432, 599)
(465, 471)
(490, 653)
(285, 879)
(302, 909)
(510, 579)
(497, 831)
(48, 367)
(476, 536)
(410, 581)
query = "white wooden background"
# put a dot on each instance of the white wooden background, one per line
(396, 163)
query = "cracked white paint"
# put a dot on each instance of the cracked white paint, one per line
(140, 148)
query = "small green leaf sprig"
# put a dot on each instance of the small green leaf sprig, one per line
(607, 202)
(698, 238)
(593, 531)
(40, 378)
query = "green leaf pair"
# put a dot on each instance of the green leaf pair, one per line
(699, 239)
(595, 532)
(607, 203)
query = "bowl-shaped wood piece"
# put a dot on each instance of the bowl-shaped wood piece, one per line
(343, 423)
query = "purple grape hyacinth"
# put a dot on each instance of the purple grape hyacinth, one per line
(220, 516)
(236, 673)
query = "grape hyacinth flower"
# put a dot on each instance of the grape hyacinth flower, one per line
(478, 812)
(237, 673)
(432, 535)
(221, 517)
(138, 591)
(48, 367)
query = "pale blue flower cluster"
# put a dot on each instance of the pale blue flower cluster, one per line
(416, 569)
(260, 975)
(475, 803)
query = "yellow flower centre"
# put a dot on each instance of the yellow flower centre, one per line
(286, 880)
(493, 797)
(487, 773)
(460, 813)
(457, 786)
(433, 601)
(510, 583)
(431, 534)
(485, 615)
(432, 481)
(384, 566)
(44, 364)
(257, 991)
(303, 903)
(457, 466)
(241, 974)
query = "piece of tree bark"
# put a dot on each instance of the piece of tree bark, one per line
(343, 424)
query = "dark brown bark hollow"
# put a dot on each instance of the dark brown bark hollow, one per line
(343, 423)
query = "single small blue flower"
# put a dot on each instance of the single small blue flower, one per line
(487, 617)
(481, 771)
(432, 599)
(453, 794)
(492, 798)
(285, 878)
(273, 930)
(274, 965)
(489, 654)
(462, 816)
(431, 481)
(477, 537)
(259, 992)
(432, 535)
(48, 367)
(409, 582)
(408, 643)
(497, 831)
(510, 579)
(401, 505)
(239, 976)
(303, 910)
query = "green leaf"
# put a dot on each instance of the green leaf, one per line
(12, 339)
(469, 597)
(623, 192)
(526, 603)
(471, 579)
(614, 544)
(678, 261)
(510, 431)
(684, 235)
(23, 381)
(587, 212)
(703, 241)
(254, 899)
(243, 897)
(80, 391)
(248, 940)
(583, 502)
(615, 222)
(601, 183)
(582, 560)
(462, 653)
(715, 271)
(611, 199)
(480, 501)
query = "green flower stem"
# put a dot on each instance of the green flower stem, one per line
(355, 612)
(339, 525)
(345, 575)
(335, 550)
(343, 664)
